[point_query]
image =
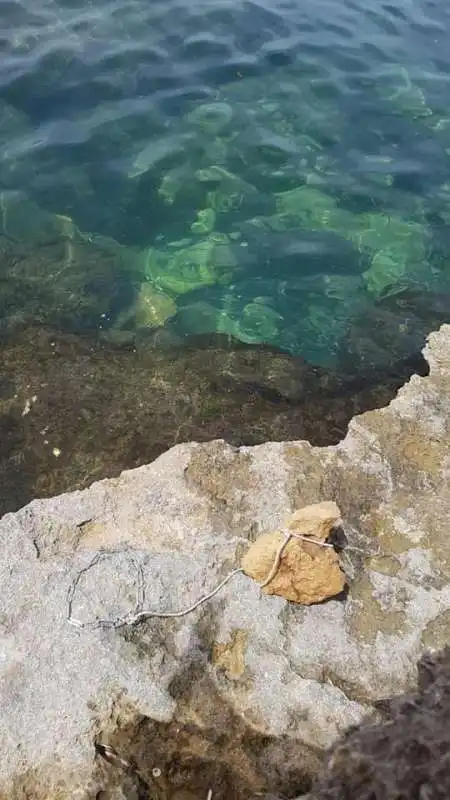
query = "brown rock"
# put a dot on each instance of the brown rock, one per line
(316, 520)
(307, 572)
(230, 656)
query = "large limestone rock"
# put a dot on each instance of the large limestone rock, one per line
(241, 695)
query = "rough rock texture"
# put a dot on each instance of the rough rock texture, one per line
(299, 570)
(243, 694)
(407, 756)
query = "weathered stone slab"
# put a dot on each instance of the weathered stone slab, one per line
(247, 680)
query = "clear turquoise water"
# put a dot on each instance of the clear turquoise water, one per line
(273, 171)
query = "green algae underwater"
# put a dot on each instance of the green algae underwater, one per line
(78, 405)
(270, 242)
(255, 249)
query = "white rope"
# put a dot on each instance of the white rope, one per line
(140, 614)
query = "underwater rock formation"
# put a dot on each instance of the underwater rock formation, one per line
(52, 273)
(301, 279)
(391, 330)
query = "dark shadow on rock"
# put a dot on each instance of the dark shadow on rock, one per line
(406, 756)
(208, 745)
(74, 410)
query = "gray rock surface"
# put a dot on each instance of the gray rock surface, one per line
(247, 690)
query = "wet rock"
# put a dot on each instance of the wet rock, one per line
(52, 273)
(394, 328)
(241, 695)
(104, 408)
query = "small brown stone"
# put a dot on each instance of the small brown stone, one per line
(230, 656)
(308, 572)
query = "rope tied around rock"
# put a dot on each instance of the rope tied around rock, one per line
(141, 614)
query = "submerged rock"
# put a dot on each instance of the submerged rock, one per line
(205, 221)
(399, 248)
(211, 117)
(259, 322)
(393, 329)
(241, 695)
(187, 266)
(52, 273)
(152, 308)
(107, 408)
(157, 152)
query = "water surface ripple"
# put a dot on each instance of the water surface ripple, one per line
(269, 170)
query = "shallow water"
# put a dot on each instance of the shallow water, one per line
(275, 172)
(270, 170)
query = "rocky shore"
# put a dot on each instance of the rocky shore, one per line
(243, 695)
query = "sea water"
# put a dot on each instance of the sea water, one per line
(274, 171)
